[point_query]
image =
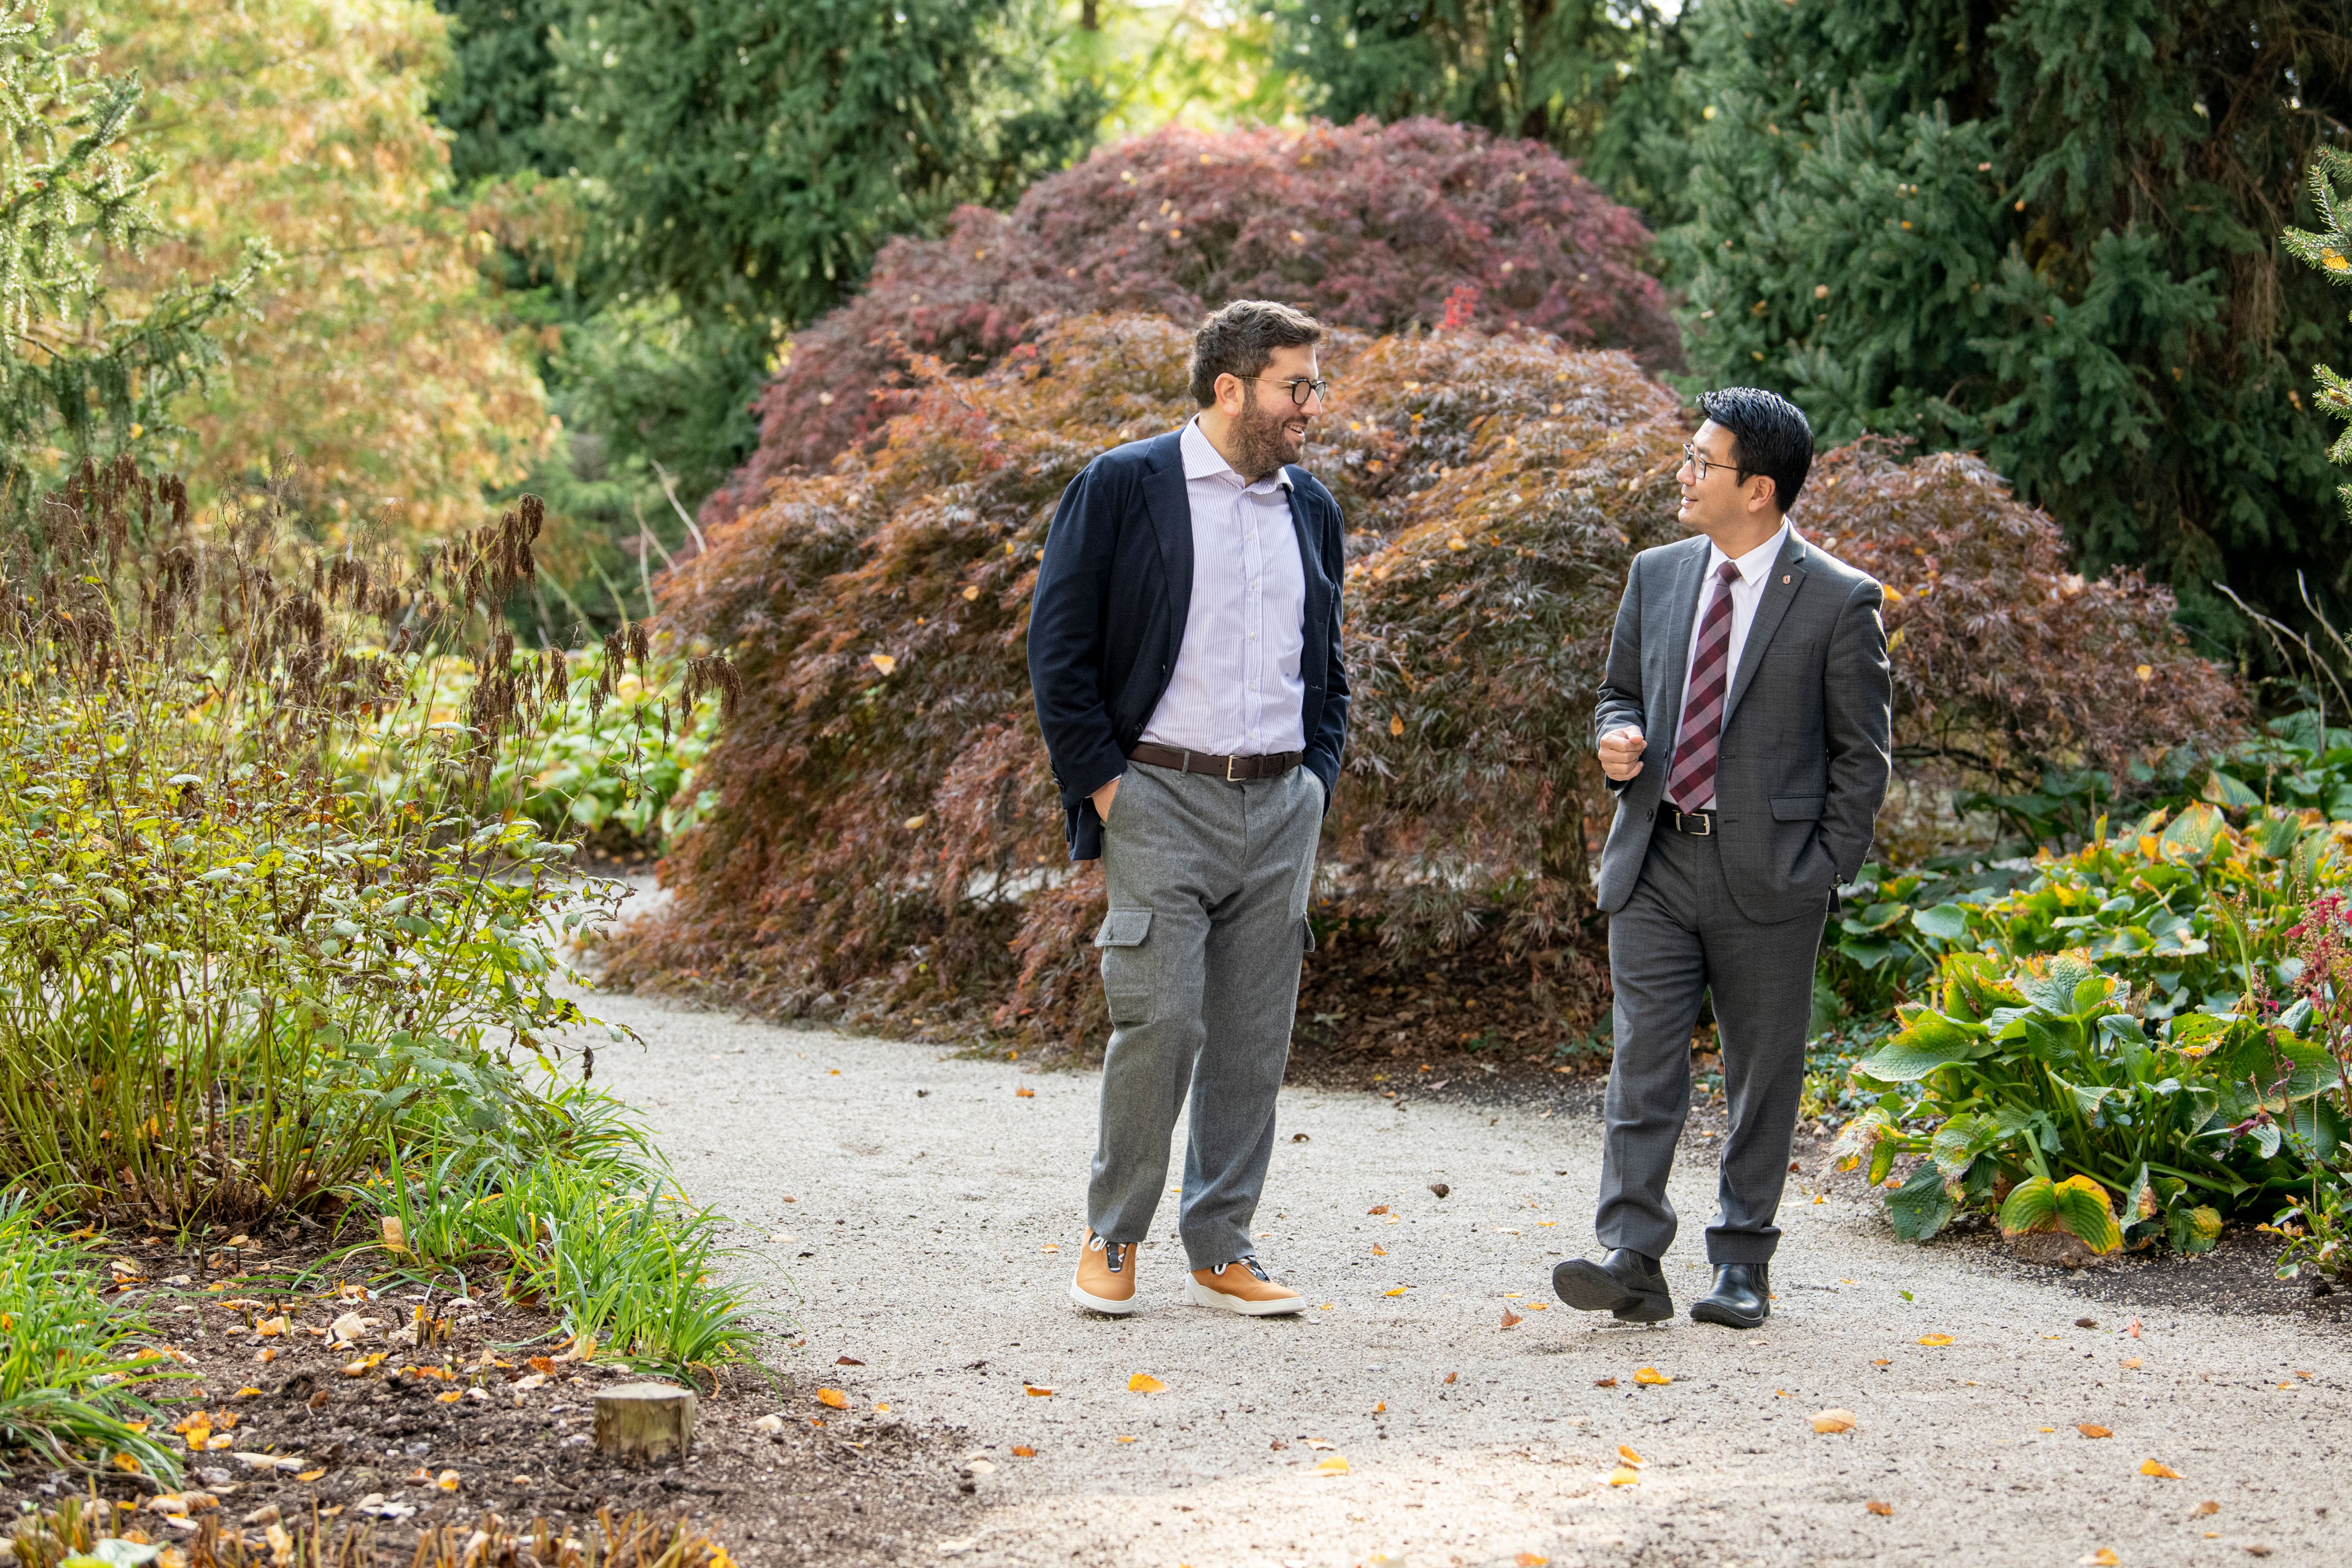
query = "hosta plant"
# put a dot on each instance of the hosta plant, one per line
(2036, 1088)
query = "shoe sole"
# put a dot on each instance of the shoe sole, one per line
(1200, 1295)
(1581, 1289)
(1103, 1304)
(1723, 1317)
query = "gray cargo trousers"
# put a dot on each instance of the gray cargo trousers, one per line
(1200, 954)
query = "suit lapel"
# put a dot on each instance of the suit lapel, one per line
(1669, 662)
(1171, 510)
(1780, 591)
(1310, 572)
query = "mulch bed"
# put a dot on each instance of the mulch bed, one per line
(387, 1451)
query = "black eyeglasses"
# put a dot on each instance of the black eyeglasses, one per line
(1700, 462)
(1301, 391)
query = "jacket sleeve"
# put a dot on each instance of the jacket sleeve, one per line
(1858, 712)
(1325, 747)
(1621, 681)
(1065, 637)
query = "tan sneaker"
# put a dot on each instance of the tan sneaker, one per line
(1242, 1286)
(1106, 1281)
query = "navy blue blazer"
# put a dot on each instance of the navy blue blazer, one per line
(1109, 616)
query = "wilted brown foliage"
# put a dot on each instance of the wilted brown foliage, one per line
(889, 840)
(2005, 660)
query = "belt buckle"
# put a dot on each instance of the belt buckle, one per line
(1229, 770)
(1705, 825)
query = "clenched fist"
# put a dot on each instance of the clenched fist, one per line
(1621, 753)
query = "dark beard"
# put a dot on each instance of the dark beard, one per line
(1259, 449)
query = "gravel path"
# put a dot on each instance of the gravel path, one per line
(930, 1192)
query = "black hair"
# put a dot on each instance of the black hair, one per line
(1240, 340)
(1769, 435)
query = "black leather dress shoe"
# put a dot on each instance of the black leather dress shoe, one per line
(1625, 1282)
(1742, 1296)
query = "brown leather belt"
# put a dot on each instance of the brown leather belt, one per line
(1231, 769)
(1696, 824)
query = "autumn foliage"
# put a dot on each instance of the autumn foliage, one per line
(887, 839)
(1368, 226)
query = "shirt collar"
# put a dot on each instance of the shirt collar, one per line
(1752, 565)
(1202, 460)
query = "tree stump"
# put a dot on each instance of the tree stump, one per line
(637, 1422)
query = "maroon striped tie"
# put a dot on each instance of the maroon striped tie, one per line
(1690, 782)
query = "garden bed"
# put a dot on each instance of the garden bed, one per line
(378, 1457)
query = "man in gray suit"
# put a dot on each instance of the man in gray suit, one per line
(1764, 661)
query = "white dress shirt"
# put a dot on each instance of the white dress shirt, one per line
(1236, 690)
(1746, 593)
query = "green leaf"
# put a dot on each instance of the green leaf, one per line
(2081, 1209)
(1944, 923)
(2030, 1205)
(2226, 792)
(1920, 1207)
(1895, 1062)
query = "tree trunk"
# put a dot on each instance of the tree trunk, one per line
(637, 1422)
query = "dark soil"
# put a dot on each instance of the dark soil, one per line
(832, 1487)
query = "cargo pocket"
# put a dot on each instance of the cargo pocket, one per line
(1126, 963)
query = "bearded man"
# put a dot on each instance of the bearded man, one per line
(1184, 655)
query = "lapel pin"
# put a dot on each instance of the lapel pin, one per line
(1784, 577)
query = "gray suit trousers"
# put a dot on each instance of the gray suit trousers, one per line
(1201, 950)
(1679, 938)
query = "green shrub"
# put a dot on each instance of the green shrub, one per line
(599, 762)
(75, 1384)
(2113, 1021)
(268, 932)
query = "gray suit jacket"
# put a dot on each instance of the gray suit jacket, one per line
(1804, 757)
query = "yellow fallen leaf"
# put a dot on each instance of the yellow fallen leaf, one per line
(1144, 1382)
(1022, 1451)
(1538, 1305)
(1935, 1339)
(447, 1481)
(1511, 1320)
(881, 1409)
(2158, 1468)
(1835, 1420)
(2209, 1506)
(1628, 1455)
(1530, 1560)
(271, 1328)
(1122, 1440)
(1382, 1409)
(882, 661)
(1024, 1092)
(2088, 1430)
(248, 1392)
(2105, 1557)
(1396, 724)
(451, 1397)
(1393, 1290)
(1622, 1477)
(1883, 1510)
(1604, 1383)
(2131, 1364)
(1334, 1466)
(127, 1462)
(1379, 1251)
(394, 1239)
(1651, 1376)
(310, 1475)
(833, 1399)
(1034, 1392)
(1051, 1246)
